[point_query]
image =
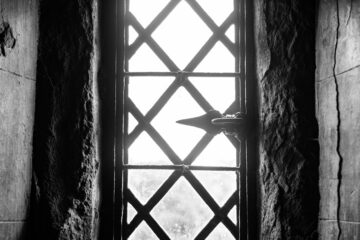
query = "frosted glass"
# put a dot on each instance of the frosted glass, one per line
(145, 91)
(132, 123)
(146, 10)
(144, 183)
(220, 152)
(143, 232)
(230, 33)
(181, 138)
(132, 35)
(145, 60)
(232, 215)
(144, 151)
(220, 185)
(220, 233)
(219, 92)
(219, 59)
(131, 213)
(182, 34)
(218, 10)
(182, 213)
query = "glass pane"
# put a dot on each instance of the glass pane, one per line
(220, 233)
(131, 213)
(182, 213)
(132, 35)
(132, 123)
(219, 92)
(220, 185)
(144, 183)
(144, 151)
(230, 33)
(146, 10)
(180, 137)
(232, 215)
(219, 59)
(143, 232)
(145, 60)
(182, 34)
(145, 91)
(218, 10)
(220, 152)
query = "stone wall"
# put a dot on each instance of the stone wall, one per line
(18, 54)
(289, 149)
(338, 112)
(65, 156)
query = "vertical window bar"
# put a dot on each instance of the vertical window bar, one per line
(119, 120)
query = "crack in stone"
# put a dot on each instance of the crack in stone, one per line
(350, 12)
(341, 159)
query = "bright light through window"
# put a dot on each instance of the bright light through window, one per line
(180, 63)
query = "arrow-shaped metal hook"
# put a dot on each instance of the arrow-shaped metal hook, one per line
(213, 122)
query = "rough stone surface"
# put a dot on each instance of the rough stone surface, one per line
(65, 163)
(289, 149)
(17, 98)
(22, 18)
(18, 48)
(338, 113)
(12, 230)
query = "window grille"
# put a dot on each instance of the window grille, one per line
(162, 168)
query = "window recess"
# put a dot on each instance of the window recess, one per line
(179, 59)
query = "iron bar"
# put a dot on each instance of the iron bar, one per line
(181, 168)
(189, 74)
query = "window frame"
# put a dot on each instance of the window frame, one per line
(249, 176)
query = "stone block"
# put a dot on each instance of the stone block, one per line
(348, 51)
(325, 38)
(350, 199)
(12, 230)
(349, 96)
(22, 16)
(328, 230)
(17, 102)
(327, 120)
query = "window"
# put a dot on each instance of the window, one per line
(180, 59)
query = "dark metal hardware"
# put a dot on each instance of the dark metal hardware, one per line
(213, 122)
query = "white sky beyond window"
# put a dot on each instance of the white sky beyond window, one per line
(181, 213)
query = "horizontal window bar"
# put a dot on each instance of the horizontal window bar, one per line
(181, 167)
(194, 74)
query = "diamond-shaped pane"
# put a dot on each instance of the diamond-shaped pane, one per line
(144, 183)
(145, 91)
(145, 151)
(182, 34)
(143, 232)
(220, 233)
(132, 35)
(219, 92)
(219, 59)
(232, 215)
(146, 10)
(220, 152)
(220, 185)
(132, 123)
(230, 33)
(145, 60)
(180, 137)
(182, 213)
(131, 212)
(218, 10)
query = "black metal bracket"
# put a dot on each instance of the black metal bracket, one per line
(213, 122)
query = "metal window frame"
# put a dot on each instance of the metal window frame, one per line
(248, 229)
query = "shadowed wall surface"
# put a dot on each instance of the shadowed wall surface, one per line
(18, 54)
